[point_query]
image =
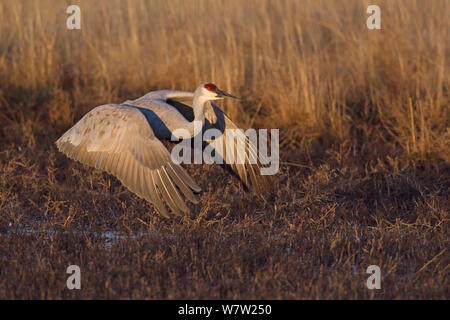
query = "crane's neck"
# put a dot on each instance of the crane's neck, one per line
(199, 104)
(199, 107)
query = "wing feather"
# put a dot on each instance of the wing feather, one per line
(181, 183)
(118, 139)
(249, 167)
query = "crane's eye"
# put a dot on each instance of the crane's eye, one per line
(211, 87)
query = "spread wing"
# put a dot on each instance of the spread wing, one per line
(165, 95)
(248, 168)
(246, 164)
(118, 139)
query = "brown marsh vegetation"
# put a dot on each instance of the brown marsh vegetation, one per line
(364, 126)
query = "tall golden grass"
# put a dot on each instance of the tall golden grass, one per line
(309, 67)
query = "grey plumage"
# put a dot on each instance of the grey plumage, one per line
(125, 140)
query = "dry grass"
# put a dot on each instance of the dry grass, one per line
(365, 112)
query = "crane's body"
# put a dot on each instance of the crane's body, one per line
(125, 140)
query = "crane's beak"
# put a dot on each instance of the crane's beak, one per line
(223, 94)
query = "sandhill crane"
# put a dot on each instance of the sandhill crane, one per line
(125, 140)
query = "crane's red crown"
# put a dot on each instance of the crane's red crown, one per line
(211, 87)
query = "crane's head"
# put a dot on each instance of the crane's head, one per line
(211, 92)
